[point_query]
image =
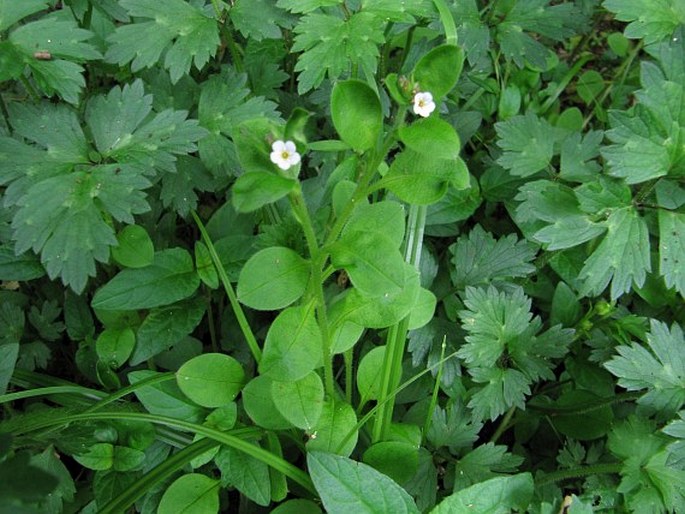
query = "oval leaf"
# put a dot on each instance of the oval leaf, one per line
(337, 420)
(356, 113)
(191, 494)
(114, 346)
(438, 71)
(273, 278)
(347, 486)
(135, 248)
(422, 179)
(300, 401)
(258, 188)
(211, 380)
(259, 404)
(432, 136)
(168, 279)
(293, 345)
(495, 496)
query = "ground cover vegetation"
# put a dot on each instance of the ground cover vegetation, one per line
(371, 256)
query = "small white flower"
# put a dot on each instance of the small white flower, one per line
(423, 104)
(284, 154)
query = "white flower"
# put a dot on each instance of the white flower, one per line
(423, 104)
(284, 154)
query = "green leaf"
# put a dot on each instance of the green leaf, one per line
(422, 179)
(483, 463)
(114, 346)
(259, 404)
(528, 144)
(297, 507)
(191, 494)
(259, 19)
(64, 42)
(165, 398)
(247, 474)
(437, 72)
(622, 257)
(403, 12)
(305, 6)
(661, 372)
(495, 496)
(175, 322)
(356, 114)
(205, 266)
(379, 311)
(384, 217)
(369, 373)
(255, 189)
(556, 22)
(100, 456)
(345, 485)
(330, 45)
(594, 423)
(433, 137)
(168, 279)
(273, 278)
(479, 258)
(651, 20)
(293, 345)
(372, 261)
(300, 401)
(133, 135)
(225, 102)
(211, 380)
(135, 248)
(8, 359)
(395, 459)
(19, 267)
(556, 204)
(336, 422)
(49, 461)
(499, 323)
(672, 249)
(11, 11)
(185, 33)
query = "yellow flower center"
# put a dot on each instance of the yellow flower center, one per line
(285, 154)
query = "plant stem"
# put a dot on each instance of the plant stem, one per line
(585, 471)
(230, 292)
(436, 390)
(397, 335)
(349, 375)
(447, 22)
(318, 259)
(503, 425)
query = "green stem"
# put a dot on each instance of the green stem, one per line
(436, 390)
(349, 374)
(585, 471)
(503, 425)
(230, 292)
(369, 171)
(584, 409)
(372, 412)
(397, 335)
(621, 71)
(318, 258)
(447, 22)
(229, 39)
(563, 83)
(235, 439)
(126, 498)
(45, 391)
